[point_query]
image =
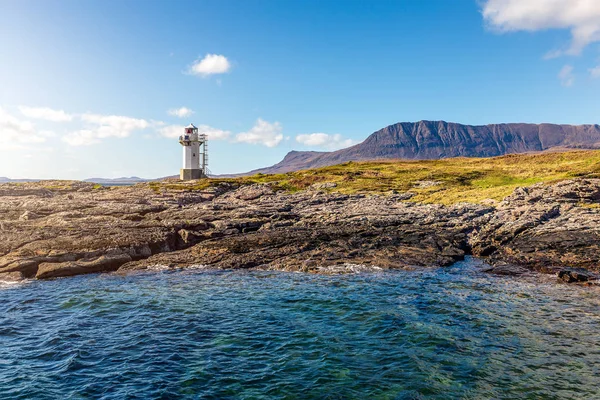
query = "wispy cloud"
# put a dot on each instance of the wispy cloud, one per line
(174, 131)
(211, 64)
(566, 76)
(581, 17)
(263, 132)
(181, 112)
(15, 133)
(45, 113)
(104, 126)
(114, 125)
(84, 137)
(171, 131)
(324, 140)
(595, 72)
(47, 134)
(214, 133)
(94, 128)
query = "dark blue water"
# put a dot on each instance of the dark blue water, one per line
(435, 333)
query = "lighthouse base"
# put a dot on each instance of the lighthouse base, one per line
(189, 174)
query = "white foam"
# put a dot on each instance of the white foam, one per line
(160, 267)
(12, 283)
(349, 268)
(198, 266)
(157, 267)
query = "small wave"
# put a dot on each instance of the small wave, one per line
(158, 267)
(435, 333)
(349, 268)
(198, 266)
(12, 283)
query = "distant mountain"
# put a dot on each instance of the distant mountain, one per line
(4, 179)
(439, 139)
(117, 181)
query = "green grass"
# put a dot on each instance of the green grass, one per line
(589, 205)
(457, 179)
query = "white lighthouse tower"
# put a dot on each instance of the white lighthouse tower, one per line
(194, 149)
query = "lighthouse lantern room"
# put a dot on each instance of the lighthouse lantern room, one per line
(194, 153)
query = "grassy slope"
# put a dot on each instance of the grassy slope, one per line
(459, 179)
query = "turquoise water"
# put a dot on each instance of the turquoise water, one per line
(430, 334)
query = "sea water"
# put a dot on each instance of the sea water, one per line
(434, 333)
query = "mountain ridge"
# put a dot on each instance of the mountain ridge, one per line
(440, 139)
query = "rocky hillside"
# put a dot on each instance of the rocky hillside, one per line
(438, 139)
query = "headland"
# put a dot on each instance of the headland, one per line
(521, 213)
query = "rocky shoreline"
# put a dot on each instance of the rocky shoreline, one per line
(55, 228)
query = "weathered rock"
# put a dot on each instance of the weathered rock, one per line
(100, 264)
(323, 185)
(571, 275)
(545, 225)
(11, 276)
(252, 192)
(28, 215)
(78, 229)
(317, 231)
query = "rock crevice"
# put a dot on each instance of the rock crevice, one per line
(84, 229)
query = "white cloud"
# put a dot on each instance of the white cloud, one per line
(581, 17)
(174, 131)
(180, 112)
(104, 126)
(45, 113)
(263, 132)
(595, 72)
(210, 64)
(84, 137)
(331, 142)
(214, 133)
(15, 134)
(171, 131)
(566, 76)
(47, 134)
(115, 125)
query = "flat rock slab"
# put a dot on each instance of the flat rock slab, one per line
(100, 264)
(53, 229)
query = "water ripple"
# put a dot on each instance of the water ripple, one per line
(434, 333)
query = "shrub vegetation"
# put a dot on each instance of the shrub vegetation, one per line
(443, 181)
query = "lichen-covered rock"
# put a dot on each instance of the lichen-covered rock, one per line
(74, 228)
(544, 226)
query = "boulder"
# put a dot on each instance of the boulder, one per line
(11, 276)
(571, 275)
(101, 264)
(27, 215)
(253, 192)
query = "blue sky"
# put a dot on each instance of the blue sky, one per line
(93, 88)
